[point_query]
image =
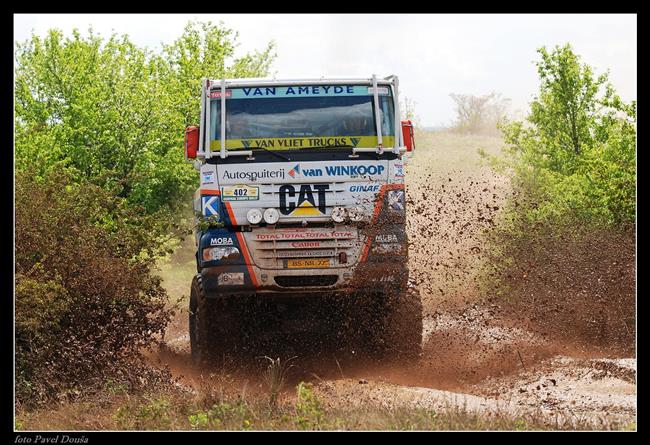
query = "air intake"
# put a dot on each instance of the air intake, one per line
(306, 280)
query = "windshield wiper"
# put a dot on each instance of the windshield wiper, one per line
(286, 158)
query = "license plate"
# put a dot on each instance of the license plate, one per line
(231, 279)
(308, 264)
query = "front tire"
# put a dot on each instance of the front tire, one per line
(211, 325)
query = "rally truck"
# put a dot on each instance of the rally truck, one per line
(301, 210)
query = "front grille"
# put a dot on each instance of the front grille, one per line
(276, 248)
(306, 280)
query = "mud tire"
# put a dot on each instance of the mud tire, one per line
(212, 326)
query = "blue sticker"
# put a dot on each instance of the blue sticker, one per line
(210, 206)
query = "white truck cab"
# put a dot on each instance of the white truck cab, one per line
(301, 197)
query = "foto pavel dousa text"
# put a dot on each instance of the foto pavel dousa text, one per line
(54, 438)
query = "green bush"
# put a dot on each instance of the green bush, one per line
(573, 160)
(563, 249)
(309, 413)
(86, 301)
(101, 184)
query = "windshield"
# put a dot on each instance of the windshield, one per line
(287, 118)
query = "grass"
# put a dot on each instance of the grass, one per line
(302, 411)
(442, 152)
(177, 271)
(275, 376)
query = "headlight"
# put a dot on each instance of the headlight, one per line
(271, 216)
(339, 214)
(219, 253)
(254, 216)
(356, 213)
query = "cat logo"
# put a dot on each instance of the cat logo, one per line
(310, 202)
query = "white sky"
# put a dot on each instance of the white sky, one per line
(433, 54)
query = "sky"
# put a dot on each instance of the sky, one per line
(433, 54)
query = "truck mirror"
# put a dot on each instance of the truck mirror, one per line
(409, 138)
(191, 142)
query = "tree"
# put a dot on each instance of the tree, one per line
(479, 114)
(575, 155)
(114, 113)
(565, 111)
(205, 50)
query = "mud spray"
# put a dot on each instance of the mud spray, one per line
(558, 348)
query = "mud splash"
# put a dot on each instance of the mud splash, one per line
(518, 356)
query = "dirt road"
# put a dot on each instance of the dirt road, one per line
(476, 357)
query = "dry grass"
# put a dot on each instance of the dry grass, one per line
(275, 376)
(178, 269)
(443, 152)
(182, 411)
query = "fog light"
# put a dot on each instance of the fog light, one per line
(356, 214)
(219, 253)
(254, 216)
(271, 216)
(339, 214)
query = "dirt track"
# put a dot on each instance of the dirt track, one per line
(476, 357)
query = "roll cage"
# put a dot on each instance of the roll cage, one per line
(208, 86)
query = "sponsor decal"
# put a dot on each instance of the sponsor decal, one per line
(240, 193)
(387, 248)
(365, 188)
(309, 201)
(207, 177)
(399, 170)
(297, 91)
(380, 90)
(218, 253)
(386, 238)
(306, 244)
(221, 241)
(297, 143)
(354, 170)
(253, 176)
(231, 279)
(298, 235)
(304, 253)
(337, 170)
(294, 171)
(217, 94)
(210, 206)
(396, 199)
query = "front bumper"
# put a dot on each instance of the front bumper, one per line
(242, 280)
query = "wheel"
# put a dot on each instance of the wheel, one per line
(395, 331)
(213, 331)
